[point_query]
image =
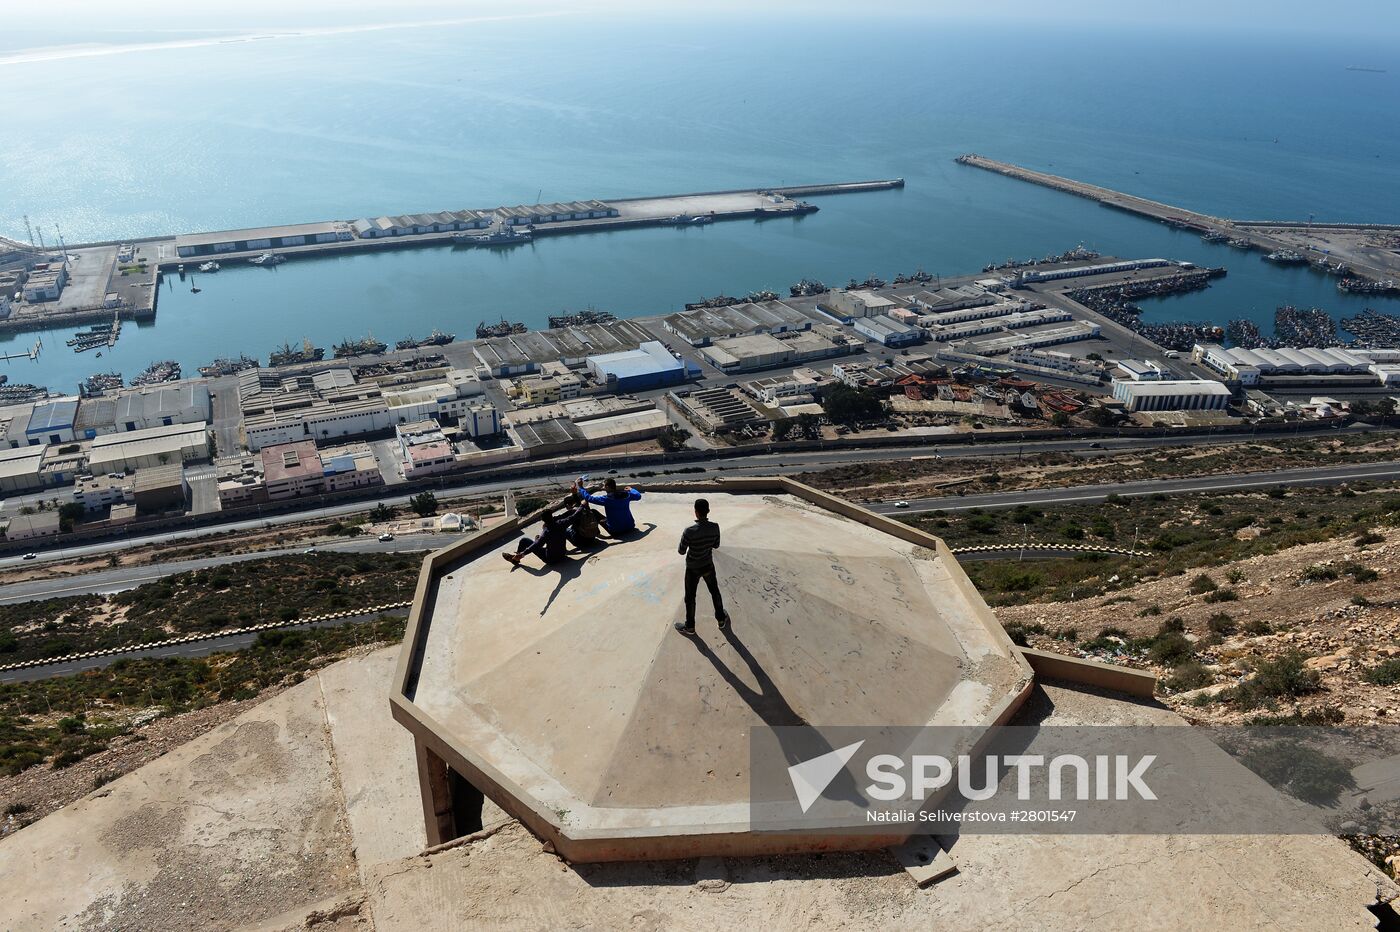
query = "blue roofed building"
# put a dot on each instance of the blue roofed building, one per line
(52, 422)
(650, 365)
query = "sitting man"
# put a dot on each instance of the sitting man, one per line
(583, 522)
(551, 543)
(617, 503)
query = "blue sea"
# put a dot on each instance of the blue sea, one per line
(216, 129)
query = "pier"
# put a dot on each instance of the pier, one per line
(341, 236)
(1334, 248)
(122, 278)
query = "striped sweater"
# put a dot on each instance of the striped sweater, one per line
(699, 542)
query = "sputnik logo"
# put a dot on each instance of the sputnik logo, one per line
(811, 777)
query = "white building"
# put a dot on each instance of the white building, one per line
(1172, 395)
(162, 405)
(854, 304)
(1145, 370)
(154, 446)
(350, 467)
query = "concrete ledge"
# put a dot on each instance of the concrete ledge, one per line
(1090, 672)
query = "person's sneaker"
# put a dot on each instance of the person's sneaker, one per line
(687, 630)
(723, 621)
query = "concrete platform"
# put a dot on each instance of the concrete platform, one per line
(564, 694)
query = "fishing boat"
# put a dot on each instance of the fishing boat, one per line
(167, 370)
(209, 266)
(436, 338)
(505, 328)
(368, 346)
(287, 356)
(268, 259)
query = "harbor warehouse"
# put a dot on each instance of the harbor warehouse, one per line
(154, 446)
(650, 365)
(1172, 395)
(189, 245)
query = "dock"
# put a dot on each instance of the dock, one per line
(1330, 247)
(337, 237)
(121, 278)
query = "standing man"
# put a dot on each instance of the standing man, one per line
(698, 543)
(617, 505)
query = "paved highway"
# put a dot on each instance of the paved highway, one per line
(766, 464)
(115, 580)
(128, 577)
(1093, 494)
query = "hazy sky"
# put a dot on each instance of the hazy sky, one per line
(1365, 20)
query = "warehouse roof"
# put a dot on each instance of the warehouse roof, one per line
(233, 236)
(648, 359)
(53, 415)
(1179, 387)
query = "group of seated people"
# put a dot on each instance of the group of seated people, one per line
(575, 522)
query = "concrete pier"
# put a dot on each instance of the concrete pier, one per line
(1322, 243)
(103, 284)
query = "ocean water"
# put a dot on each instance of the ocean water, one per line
(201, 133)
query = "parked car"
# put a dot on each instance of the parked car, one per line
(901, 504)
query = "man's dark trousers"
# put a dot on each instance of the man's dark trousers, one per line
(693, 575)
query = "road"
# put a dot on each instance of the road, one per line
(128, 577)
(203, 648)
(759, 465)
(115, 580)
(1094, 494)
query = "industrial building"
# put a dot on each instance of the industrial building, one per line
(350, 467)
(887, 331)
(702, 326)
(21, 469)
(45, 282)
(765, 350)
(185, 402)
(525, 353)
(1248, 366)
(990, 308)
(1144, 370)
(52, 422)
(948, 300)
(1050, 336)
(154, 446)
(1172, 395)
(1029, 276)
(103, 491)
(424, 449)
(160, 488)
(555, 213)
(31, 527)
(190, 245)
(291, 470)
(648, 366)
(412, 224)
(853, 305)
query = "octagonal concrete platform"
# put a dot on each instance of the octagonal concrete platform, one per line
(564, 694)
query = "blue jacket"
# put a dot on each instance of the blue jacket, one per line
(618, 508)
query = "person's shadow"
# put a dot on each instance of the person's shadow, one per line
(797, 738)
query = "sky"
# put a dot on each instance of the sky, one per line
(1363, 20)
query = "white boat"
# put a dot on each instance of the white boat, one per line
(268, 258)
(209, 267)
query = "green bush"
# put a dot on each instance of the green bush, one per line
(1257, 627)
(1171, 649)
(1318, 573)
(1201, 585)
(1222, 595)
(1175, 623)
(1221, 624)
(1187, 676)
(1385, 673)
